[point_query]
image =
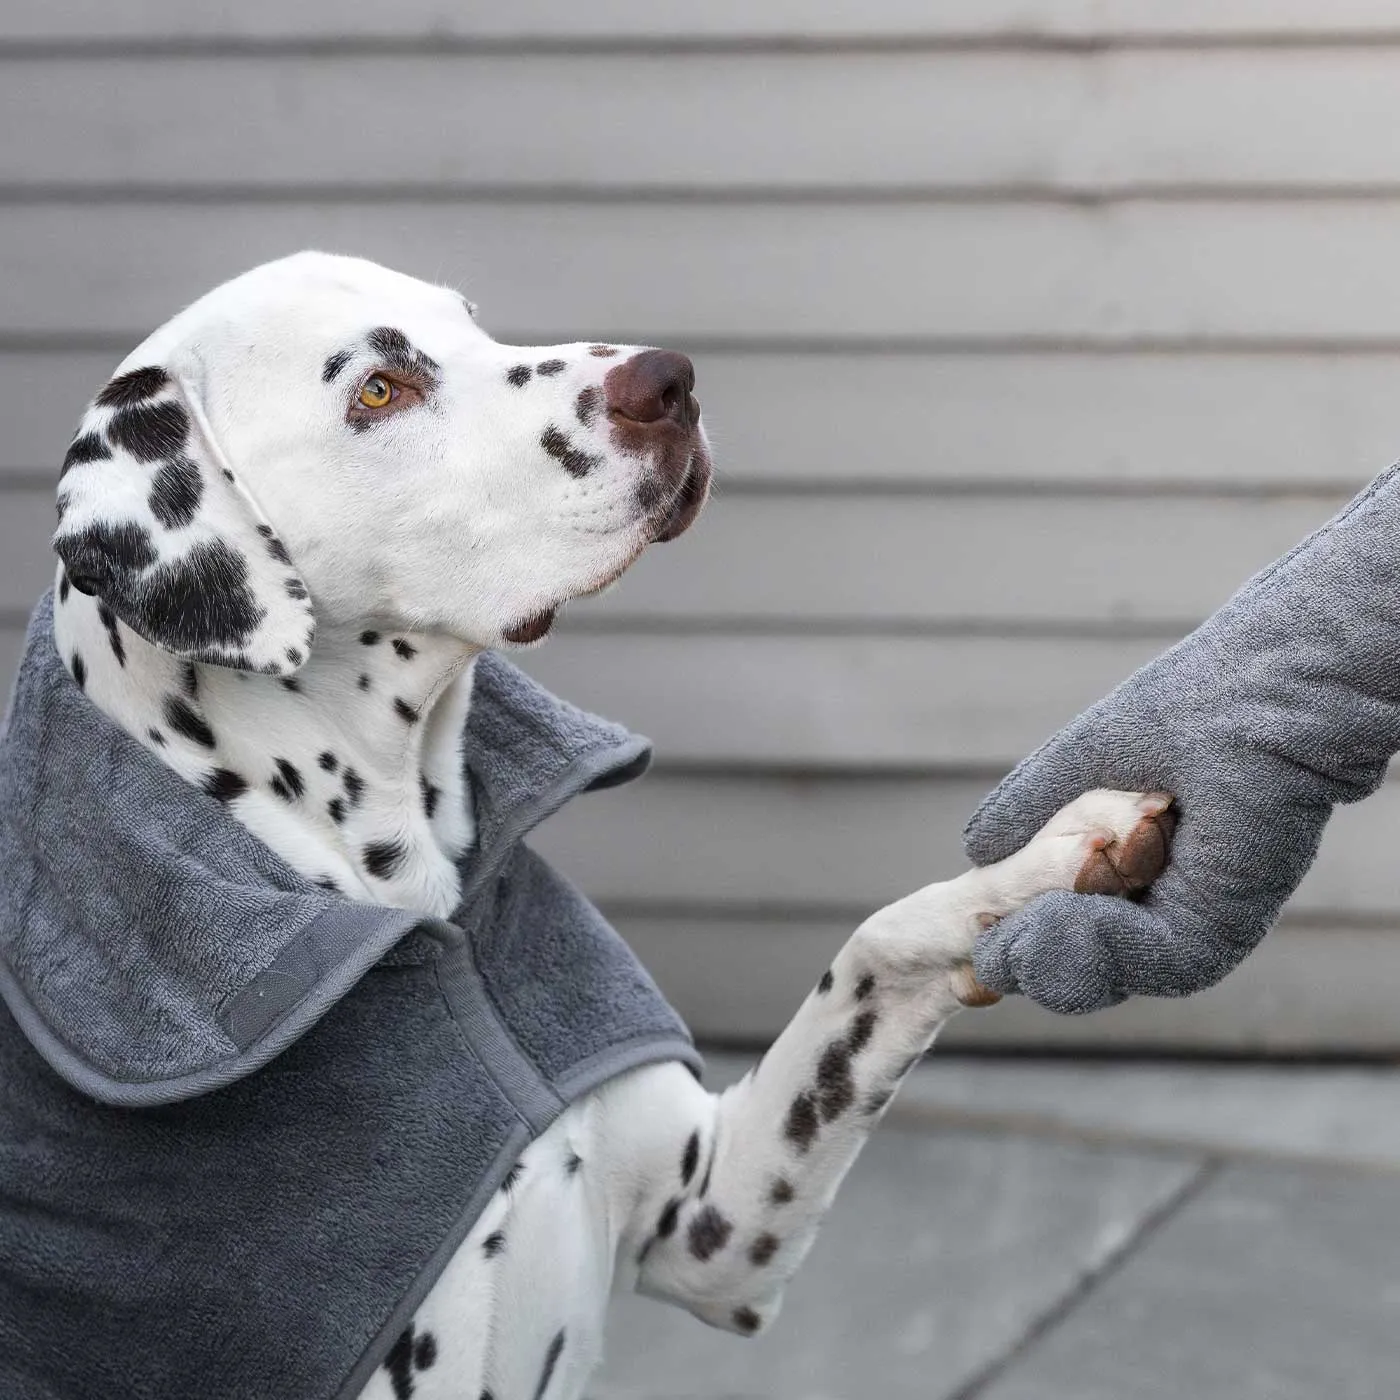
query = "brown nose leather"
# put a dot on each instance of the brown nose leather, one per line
(652, 387)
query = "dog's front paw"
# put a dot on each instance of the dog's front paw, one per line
(1114, 842)
(1104, 842)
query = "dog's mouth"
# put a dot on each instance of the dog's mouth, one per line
(532, 629)
(689, 500)
(673, 519)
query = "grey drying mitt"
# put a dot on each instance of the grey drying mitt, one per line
(1282, 704)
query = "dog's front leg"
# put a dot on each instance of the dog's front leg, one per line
(730, 1211)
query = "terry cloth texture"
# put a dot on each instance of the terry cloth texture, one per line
(243, 1122)
(1284, 703)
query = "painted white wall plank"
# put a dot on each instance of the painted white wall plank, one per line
(825, 702)
(1213, 271)
(1143, 120)
(643, 19)
(858, 843)
(961, 559)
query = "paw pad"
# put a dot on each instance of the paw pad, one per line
(1127, 867)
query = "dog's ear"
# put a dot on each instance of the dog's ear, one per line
(154, 521)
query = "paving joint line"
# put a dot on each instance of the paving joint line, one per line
(1089, 1282)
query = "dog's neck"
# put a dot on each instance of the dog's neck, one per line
(351, 770)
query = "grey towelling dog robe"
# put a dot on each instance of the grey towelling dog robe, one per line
(244, 1122)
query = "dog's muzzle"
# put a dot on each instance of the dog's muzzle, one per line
(654, 413)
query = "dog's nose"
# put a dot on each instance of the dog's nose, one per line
(653, 386)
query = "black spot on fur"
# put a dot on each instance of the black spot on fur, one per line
(64, 587)
(549, 368)
(747, 1321)
(150, 431)
(189, 679)
(836, 1085)
(551, 1360)
(425, 1351)
(709, 1232)
(368, 639)
(326, 883)
(133, 387)
(176, 493)
(291, 683)
(224, 784)
(294, 656)
(825, 985)
(405, 711)
(557, 444)
(334, 364)
(202, 600)
(709, 1168)
(588, 405)
(296, 588)
(354, 786)
(690, 1158)
(802, 1124)
(762, 1250)
(181, 716)
(408, 1356)
(572, 1163)
(291, 775)
(518, 375)
(156, 737)
(397, 352)
(364, 680)
(602, 352)
(666, 1225)
(97, 555)
(328, 761)
(383, 858)
(493, 1244)
(862, 1028)
(431, 794)
(864, 987)
(512, 1177)
(404, 649)
(278, 551)
(109, 620)
(79, 669)
(88, 448)
(781, 1192)
(335, 808)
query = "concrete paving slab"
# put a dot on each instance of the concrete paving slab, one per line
(943, 1250)
(1270, 1284)
(1328, 1114)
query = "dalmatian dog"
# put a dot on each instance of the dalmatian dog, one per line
(324, 429)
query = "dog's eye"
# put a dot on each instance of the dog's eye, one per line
(376, 391)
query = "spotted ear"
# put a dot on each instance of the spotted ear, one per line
(153, 520)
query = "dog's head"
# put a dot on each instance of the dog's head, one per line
(325, 431)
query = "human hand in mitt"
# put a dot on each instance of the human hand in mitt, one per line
(1284, 703)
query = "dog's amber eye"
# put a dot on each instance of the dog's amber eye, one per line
(376, 392)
